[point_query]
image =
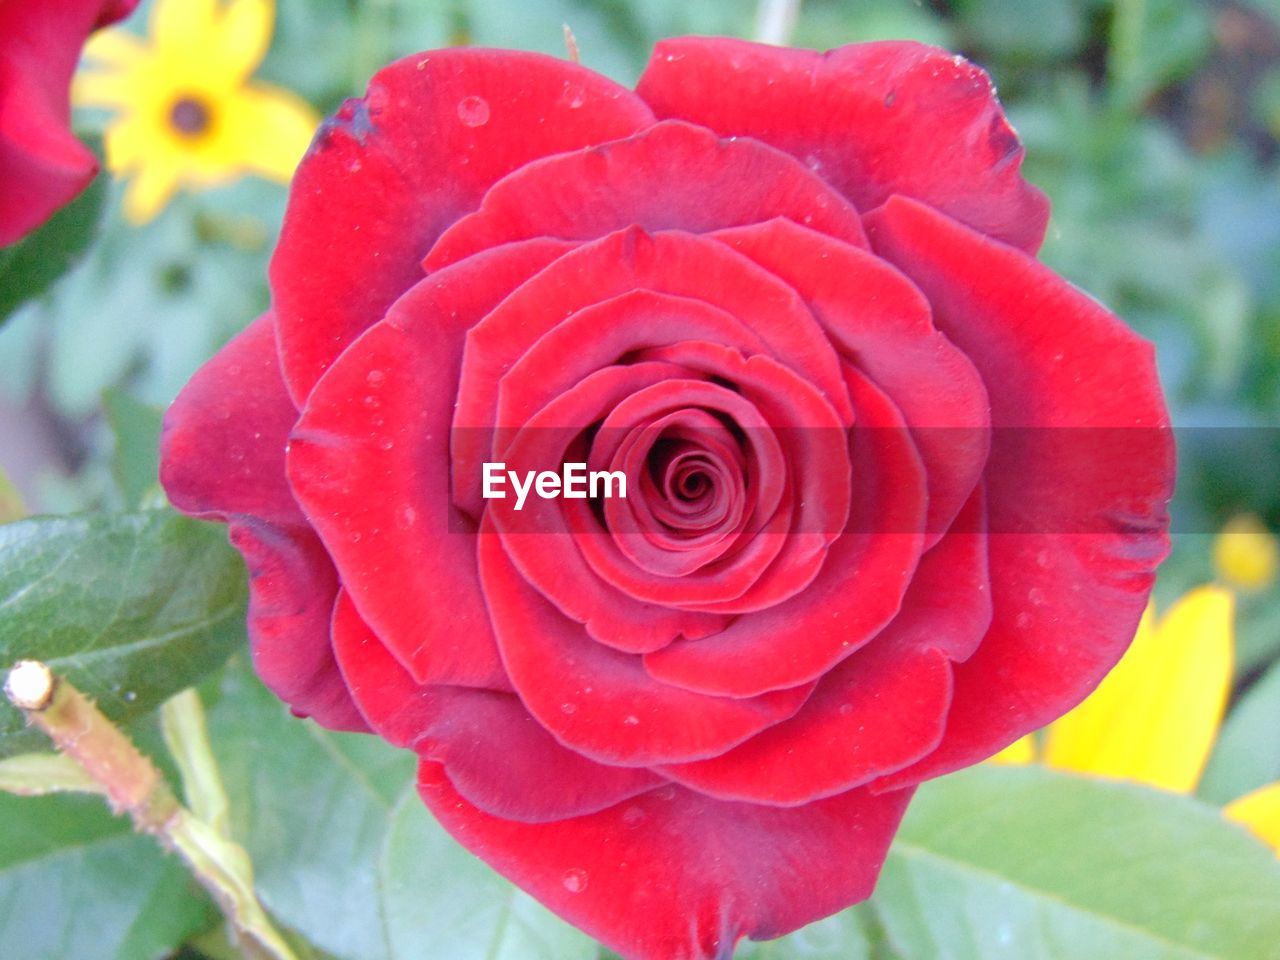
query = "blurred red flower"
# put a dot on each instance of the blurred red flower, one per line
(42, 165)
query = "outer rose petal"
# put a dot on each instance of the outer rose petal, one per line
(1055, 361)
(42, 165)
(673, 875)
(222, 458)
(388, 173)
(873, 119)
(594, 192)
(538, 780)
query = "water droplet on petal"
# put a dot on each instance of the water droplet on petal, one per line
(632, 721)
(568, 708)
(473, 111)
(575, 881)
(633, 816)
(375, 378)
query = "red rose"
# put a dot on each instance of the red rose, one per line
(788, 296)
(42, 165)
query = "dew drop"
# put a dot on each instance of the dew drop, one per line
(386, 443)
(409, 516)
(568, 709)
(473, 111)
(632, 721)
(1036, 596)
(1042, 559)
(130, 696)
(1023, 620)
(575, 881)
(574, 96)
(633, 816)
(372, 402)
(375, 378)
(846, 709)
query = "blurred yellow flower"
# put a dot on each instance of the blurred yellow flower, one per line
(187, 114)
(1260, 812)
(1155, 717)
(1245, 555)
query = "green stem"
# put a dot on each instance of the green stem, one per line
(134, 786)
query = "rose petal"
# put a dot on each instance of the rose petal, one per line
(1081, 465)
(670, 263)
(880, 322)
(593, 192)
(537, 781)
(857, 592)
(222, 458)
(599, 701)
(42, 165)
(538, 536)
(388, 173)
(672, 874)
(873, 119)
(292, 586)
(877, 711)
(369, 459)
(222, 446)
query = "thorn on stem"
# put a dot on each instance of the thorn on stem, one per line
(571, 45)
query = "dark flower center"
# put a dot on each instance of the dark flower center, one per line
(189, 116)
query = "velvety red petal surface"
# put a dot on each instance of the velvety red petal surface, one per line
(222, 458)
(600, 701)
(883, 707)
(1088, 482)
(369, 460)
(674, 875)
(42, 165)
(537, 780)
(591, 193)
(857, 592)
(388, 173)
(668, 262)
(882, 324)
(872, 119)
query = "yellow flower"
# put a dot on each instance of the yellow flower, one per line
(187, 114)
(1155, 717)
(1260, 812)
(1245, 555)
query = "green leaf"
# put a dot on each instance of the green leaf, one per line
(312, 809)
(1026, 863)
(1247, 754)
(441, 903)
(131, 607)
(345, 853)
(840, 937)
(29, 267)
(76, 884)
(135, 463)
